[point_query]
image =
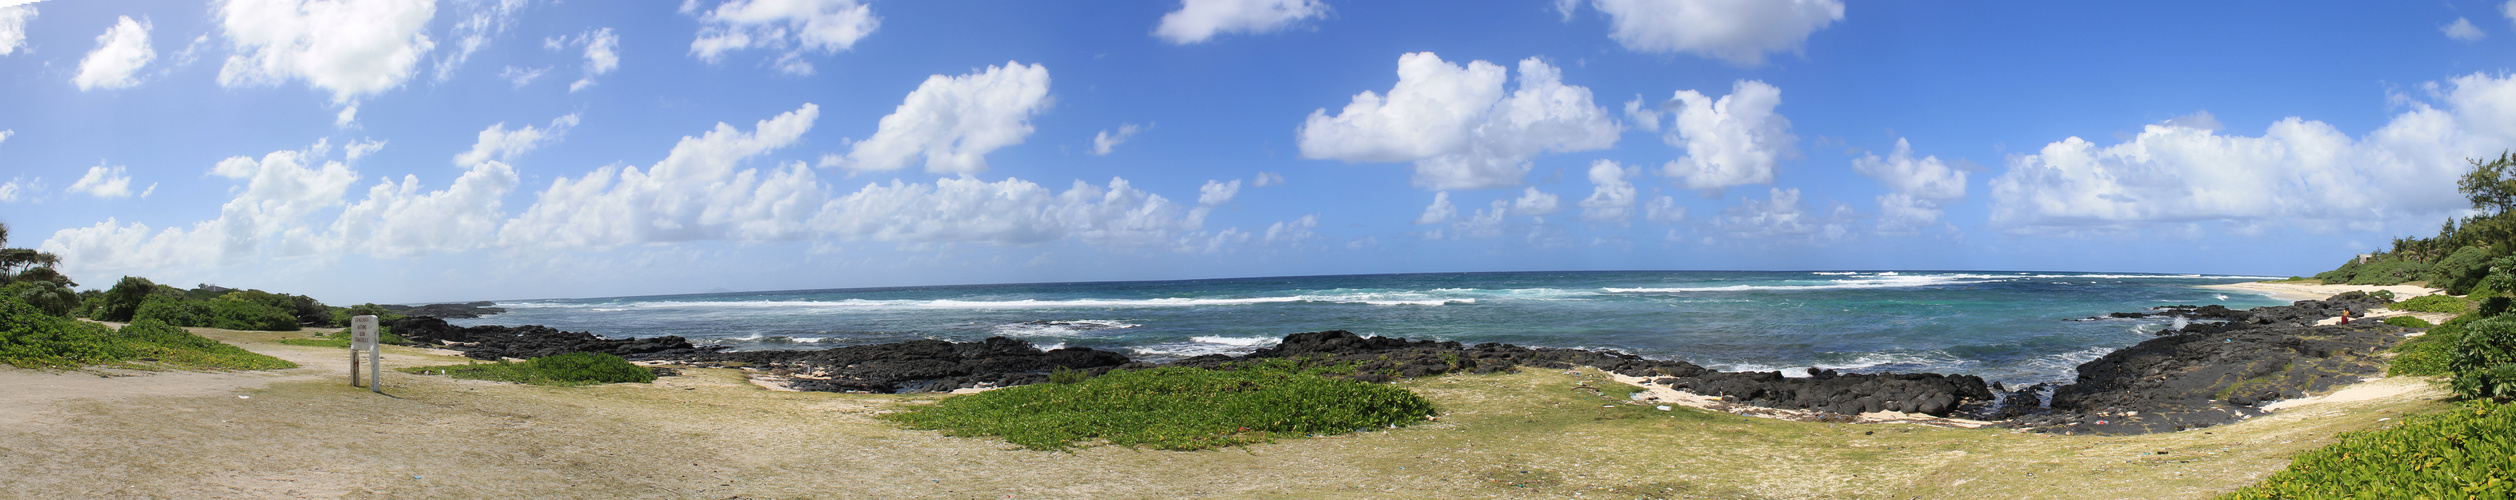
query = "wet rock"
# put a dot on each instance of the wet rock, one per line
(922, 365)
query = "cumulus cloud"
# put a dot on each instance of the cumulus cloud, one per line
(349, 48)
(477, 22)
(2462, 30)
(1738, 31)
(263, 220)
(1664, 209)
(1458, 127)
(1611, 196)
(694, 193)
(2297, 171)
(1916, 187)
(1268, 179)
(1294, 231)
(1199, 20)
(1781, 214)
(954, 121)
(602, 55)
(1440, 211)
(1733, 141)
(104, 182)
(13, 20)
(398, 220)
(498, 143)
(1533, 202)
(1010, 212)
(120, 52)
(789, 26)
(1104, 141)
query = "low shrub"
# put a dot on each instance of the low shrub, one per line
(2422, 356)
(30, 338)
(235, 313)
(46, 296)
(2496, 383)
(2408, 322)
(567, 370)
(173, 311)
(2485, 343)
(152, 339)
(1174, 408)
(2459, 453)
(2433, 304)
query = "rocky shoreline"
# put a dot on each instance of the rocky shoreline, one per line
(2214, 366)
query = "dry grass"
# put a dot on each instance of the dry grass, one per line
(711, 434)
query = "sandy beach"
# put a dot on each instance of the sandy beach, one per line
(2300, 290)
(303, 433)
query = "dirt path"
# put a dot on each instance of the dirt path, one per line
(710, 434)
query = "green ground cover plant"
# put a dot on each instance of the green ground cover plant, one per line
(2408, 322)
(30, 338)
(1175, 408)
(565, 370)
(2433, 304)
(2459, 453)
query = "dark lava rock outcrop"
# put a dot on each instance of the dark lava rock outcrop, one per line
(532, 341)
(2196, 379)
(920, 365)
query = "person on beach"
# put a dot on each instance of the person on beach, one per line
(2345, 316)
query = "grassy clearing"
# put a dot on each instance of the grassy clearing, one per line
(565, 370)
(1175, 408)
(340, 339)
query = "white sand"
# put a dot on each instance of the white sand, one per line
(2296, 291)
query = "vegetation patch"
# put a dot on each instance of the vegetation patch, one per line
(1175, 408)
(2408, 322)
(2460, 453)
(29, 338)
(340, 339)
(2434, 304)
(566, 370)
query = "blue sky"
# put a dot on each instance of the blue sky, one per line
(409, 150)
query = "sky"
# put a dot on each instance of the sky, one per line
(417, 150)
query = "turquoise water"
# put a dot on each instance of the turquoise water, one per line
(2006, 326)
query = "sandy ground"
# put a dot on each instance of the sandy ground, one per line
(304, 433)
(2297, 291)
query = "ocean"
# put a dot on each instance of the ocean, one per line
(2009, 327)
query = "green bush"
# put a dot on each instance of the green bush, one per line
(2459, 453)
(173, 345)
(2496, 383)
(571, 369)
(2462, 270)
(2485, 343)
(30, 338)
(235, 313)
(2433, 304)
(124, 300)
(1174, 408)
(173, 311)
(2408, 322)
(47, 296)
(2387, 271)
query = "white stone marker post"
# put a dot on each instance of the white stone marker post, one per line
(362, 336)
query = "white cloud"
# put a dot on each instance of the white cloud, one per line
(1533, 202)
(349, 48)
(397, 220)
(477, 21)
(1664, 209)
(348, 116)
(120, 52)
(4, 135)
(1486, 223)
(13, 20)
(1780, 214)
(2299, 171)
(1917, 187)
(104, 182)
(1199, 20)
(265, 219)
(1647, 116)
(192, 51)
(1611, 196)
(1730, 142)
(20, 188)
(2462, 30)
(1294, 231)
(498, 143)
(361, 148)
(694, 193)
(1440, 211)
(522, 76)
(1566, 8)
(2506, 9)
(1738, 31)
(791, 26)
(1104, 141)
(602, 55)
(1216, 193)
(1268, 179)
(1008, 212)
(954, 121)
(1458, 126)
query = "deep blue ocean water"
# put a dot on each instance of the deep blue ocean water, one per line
(2013, 327)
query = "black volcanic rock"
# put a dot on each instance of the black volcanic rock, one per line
(2197, 379)
(463, 310)
(921, 365)
(532, 341)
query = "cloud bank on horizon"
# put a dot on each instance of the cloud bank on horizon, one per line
(409, 150)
